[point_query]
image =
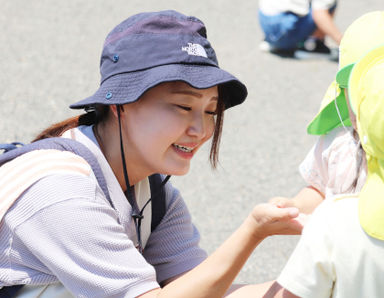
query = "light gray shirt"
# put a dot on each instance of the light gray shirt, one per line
(63, 229)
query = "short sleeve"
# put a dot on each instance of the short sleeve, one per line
(173, 247)
(309, 271)
(314, 168)
(335, 165)
(77, 238)
(322, 4)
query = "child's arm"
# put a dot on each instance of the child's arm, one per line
(306, 200)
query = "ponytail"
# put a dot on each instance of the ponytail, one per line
(88, 118)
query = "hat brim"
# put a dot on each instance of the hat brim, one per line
(129, 87)
(342, 76)
(364, 95)
(371, 202)
(328, 118)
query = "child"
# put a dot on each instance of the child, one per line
(336, 164)
(341, 251)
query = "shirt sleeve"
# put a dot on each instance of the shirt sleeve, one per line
(76, 237)
(173, 247)
(314, 168)
(333, 164)
(309, 271)
(323, 4)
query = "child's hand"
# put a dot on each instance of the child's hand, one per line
(272, 220)
(282, 202)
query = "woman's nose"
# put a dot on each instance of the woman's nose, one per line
(198, 126)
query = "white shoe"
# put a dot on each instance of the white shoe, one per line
(265, 46)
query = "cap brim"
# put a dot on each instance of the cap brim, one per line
(128, 87)
(371, 202)
(328, 118)
(342, 76)
(364, 93)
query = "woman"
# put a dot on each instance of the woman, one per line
(162, 95)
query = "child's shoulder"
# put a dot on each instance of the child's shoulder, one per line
(340, 199)
(339, 139)
(337, 207)
(339, 133)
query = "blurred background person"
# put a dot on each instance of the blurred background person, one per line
(298, 28)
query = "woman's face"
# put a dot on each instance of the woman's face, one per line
(165, 128)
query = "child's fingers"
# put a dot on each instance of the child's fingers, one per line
(290, 211)
(281, 202)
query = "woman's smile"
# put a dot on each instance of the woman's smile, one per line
(185, 150)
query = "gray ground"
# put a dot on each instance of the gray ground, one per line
(49, 59)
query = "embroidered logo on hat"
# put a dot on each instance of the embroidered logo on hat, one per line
(195, 49)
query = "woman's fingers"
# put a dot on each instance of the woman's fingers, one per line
(270, 212)
(272, 220)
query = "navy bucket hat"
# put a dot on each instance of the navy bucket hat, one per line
(156, 47)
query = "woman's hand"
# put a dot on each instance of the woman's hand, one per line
(269, 219)
(213, 277)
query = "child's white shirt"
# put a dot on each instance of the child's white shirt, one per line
(335, 164)
(335, 257)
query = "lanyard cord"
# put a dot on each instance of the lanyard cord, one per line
(359, 152)
(137, 214)
(139, 217)
(129, 193)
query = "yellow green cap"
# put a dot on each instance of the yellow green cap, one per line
(366, 93)
(332, 108)
(361, 36)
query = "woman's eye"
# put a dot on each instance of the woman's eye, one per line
(211, 112)
(185, 108)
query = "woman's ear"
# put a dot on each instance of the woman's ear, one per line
(114, 110)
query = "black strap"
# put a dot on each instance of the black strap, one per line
(10, 292)
(158, 199)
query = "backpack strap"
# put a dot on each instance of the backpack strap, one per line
(10, 292)
(62, 144)
(158, 196)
